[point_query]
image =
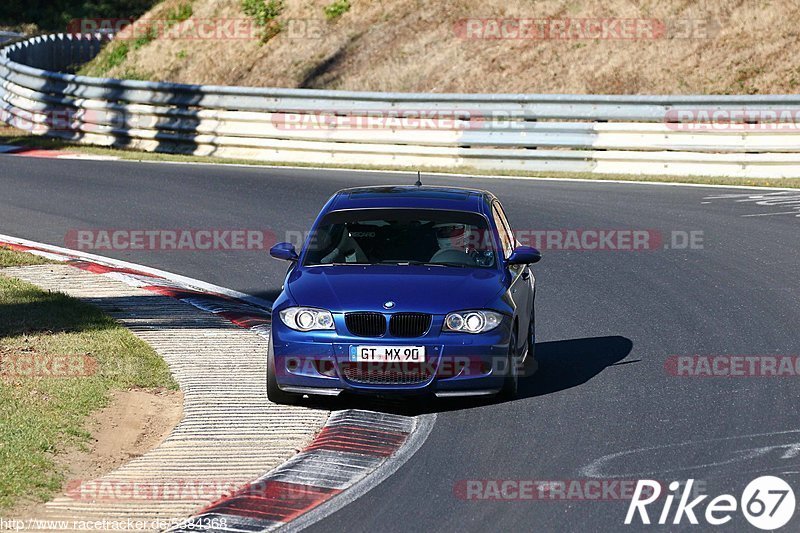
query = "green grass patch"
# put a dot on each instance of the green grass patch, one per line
(181, 13)
(11, 258)
(137, 75)
(150, 35)
(264, 14)
(336, 9)
(12, 136)
(112, 55)
(41, 417)
(172, 17)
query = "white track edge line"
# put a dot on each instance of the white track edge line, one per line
(413, 173)
(196, 283)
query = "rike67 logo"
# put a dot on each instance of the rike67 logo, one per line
(768, 503)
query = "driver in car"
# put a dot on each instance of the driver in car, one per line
(457, 244)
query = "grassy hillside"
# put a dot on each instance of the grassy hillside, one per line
(737, 46)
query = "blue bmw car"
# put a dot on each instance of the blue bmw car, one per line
(404, 290)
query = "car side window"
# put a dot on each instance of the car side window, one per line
(506, 239)
(507, 225)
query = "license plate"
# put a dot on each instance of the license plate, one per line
(387, 354)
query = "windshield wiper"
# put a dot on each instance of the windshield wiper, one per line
(423, 263)
(445, 264)
(402, 263)
(340, 264)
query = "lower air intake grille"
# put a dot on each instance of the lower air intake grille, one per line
(386, 373)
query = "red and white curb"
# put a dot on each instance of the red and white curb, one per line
(27, 151)
(354, 452)
(351, 446)
(241, 309)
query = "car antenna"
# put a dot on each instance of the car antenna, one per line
(419, 181)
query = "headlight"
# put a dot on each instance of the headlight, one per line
(472, 321)
(307, 318)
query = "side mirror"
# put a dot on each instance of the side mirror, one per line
(524, 255)
(284, 250)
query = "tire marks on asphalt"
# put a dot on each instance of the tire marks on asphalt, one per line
(780, 203)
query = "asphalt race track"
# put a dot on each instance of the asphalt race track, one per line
(603, 405)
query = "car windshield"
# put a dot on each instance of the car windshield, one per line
(402, 237)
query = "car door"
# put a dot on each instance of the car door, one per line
(522, 283)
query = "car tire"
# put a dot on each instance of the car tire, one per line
(274, 393)
(531, 364)
(511, 378)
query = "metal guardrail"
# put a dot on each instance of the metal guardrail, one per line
(574, 133)
(7, 37)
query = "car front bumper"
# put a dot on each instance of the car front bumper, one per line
(457, 364)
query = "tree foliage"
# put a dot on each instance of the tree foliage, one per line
(55, 15)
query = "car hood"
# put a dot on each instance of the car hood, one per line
(435, 290)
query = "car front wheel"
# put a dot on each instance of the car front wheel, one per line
(530, 365)
(511, 378)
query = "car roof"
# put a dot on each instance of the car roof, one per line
(411, 196)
